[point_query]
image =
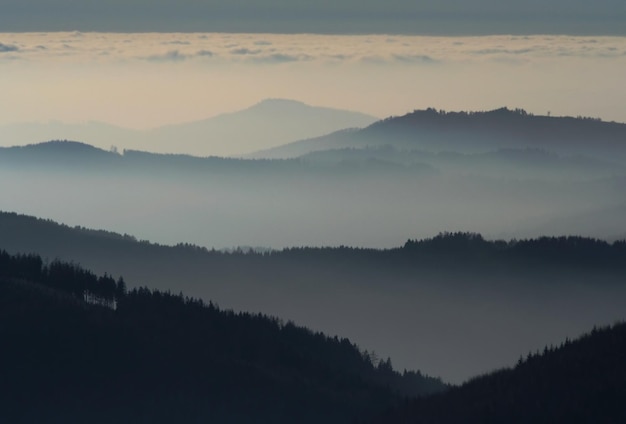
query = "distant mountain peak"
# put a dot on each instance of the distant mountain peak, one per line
(280, 102)
(269, 123)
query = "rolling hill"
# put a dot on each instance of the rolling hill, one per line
(454, 305)
(474, 132)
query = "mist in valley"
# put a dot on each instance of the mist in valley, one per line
(363, 197)
(449, 318)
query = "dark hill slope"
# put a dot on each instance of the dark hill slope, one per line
(442, 305)
(470, 132)
(78, 348)
(579, 382)
(108, 251)
(509, 126)
(473, 256)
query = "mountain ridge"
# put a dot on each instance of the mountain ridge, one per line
(471, 132)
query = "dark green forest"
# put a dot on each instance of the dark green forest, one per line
(578, 382)
(444, 304)
(472, 255)
(474, 131)
(78, 348)
(510, 126)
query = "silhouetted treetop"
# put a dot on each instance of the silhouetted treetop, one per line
(573, 255)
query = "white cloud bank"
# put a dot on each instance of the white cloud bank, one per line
(149, 79)
(80, 47)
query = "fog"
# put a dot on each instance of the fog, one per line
(227, 203)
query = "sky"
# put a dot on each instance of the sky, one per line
(443, 17)
(144, 80)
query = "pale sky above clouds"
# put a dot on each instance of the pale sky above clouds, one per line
(150, 79)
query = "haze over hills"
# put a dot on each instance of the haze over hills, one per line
(510, 162)
(453, 306)
(267, 124)
(271, 122)
(332, 198)
(472, 132)
(524, 163)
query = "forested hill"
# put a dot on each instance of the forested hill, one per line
(444, 305)
(468, 132)
(583, 381)
(80, 348)
(511, 124)
(107, 251)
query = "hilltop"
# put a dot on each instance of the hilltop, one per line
(471, 132)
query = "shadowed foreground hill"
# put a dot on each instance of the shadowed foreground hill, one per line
(446, 305)
(579, 382)
(79, 348)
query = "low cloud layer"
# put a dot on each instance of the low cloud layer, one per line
(144, 80)
(272, 48)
